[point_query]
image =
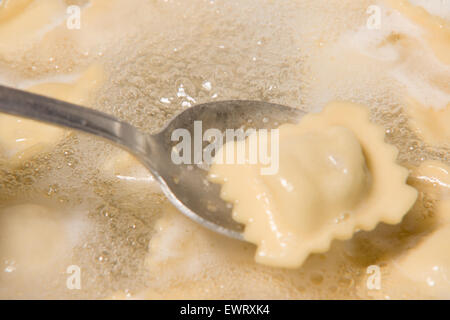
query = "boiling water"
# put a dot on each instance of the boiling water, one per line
(160, 57)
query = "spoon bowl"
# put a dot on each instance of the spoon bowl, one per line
(186, 184)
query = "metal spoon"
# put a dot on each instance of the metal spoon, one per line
(184, 185)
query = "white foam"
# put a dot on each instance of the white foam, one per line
(422, 91)
(439, 8)
(373, 43)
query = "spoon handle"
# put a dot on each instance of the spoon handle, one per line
(53, 111)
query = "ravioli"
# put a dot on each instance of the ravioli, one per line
(436, 29)
(125, 167)
(336, 176)
(11, 8)
(21, 139)
(427, 264)
(432, 177)
(23, 21)
(430, 124)
(32, 236)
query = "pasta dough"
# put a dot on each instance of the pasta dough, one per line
(336, 176)
(428, 263)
